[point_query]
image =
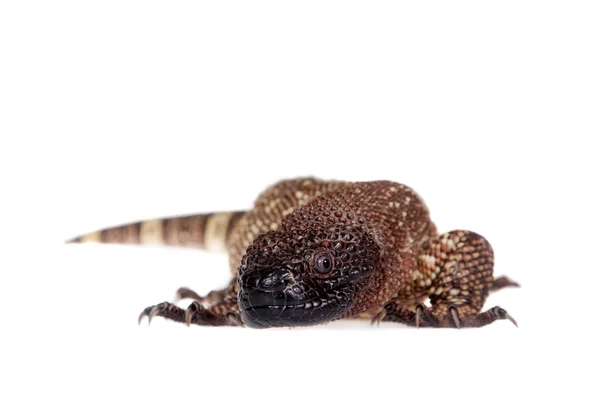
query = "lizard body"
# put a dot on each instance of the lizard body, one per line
(313, 251)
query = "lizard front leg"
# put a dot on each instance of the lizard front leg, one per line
(458, 269)
(223, 311)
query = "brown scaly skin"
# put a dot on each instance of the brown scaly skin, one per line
(313, 251)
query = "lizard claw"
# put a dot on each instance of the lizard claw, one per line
(379, 317)
(455, 318)
(197, 309)
(150, 312)
(234, 319)
(418, 312)
(501, 313)
(153, 311)
(143, 314)
(191, 310)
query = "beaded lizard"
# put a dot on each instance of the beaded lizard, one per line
(312, 251)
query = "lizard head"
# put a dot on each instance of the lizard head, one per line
(305, 276)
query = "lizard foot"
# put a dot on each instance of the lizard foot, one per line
(217, 308)
(450, 317)
(196, 314)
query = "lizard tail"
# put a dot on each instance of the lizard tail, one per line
(202, 231)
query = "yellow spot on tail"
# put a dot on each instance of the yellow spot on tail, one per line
(215, 230)
(151, 232)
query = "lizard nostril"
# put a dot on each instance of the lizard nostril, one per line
(274, 280)
(269, 282)
(252, 281)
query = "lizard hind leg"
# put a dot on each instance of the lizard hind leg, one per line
(503, 282)
(461, 265)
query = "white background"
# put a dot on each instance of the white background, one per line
(116, 111)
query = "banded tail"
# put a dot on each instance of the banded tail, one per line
(202, 231)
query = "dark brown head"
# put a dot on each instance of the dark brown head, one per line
(305, 277)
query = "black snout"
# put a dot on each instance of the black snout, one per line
(264, 288)
(271, 297)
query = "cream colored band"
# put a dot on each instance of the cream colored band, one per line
(94, 237)
(151, 232)
(215, 230)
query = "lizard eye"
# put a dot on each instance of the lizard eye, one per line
(323, 264)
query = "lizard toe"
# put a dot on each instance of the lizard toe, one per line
(501, 313)
(234, 319)
(193, 308)
(454, 314)
(379, 317)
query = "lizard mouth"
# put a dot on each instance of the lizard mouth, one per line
(311, 312)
